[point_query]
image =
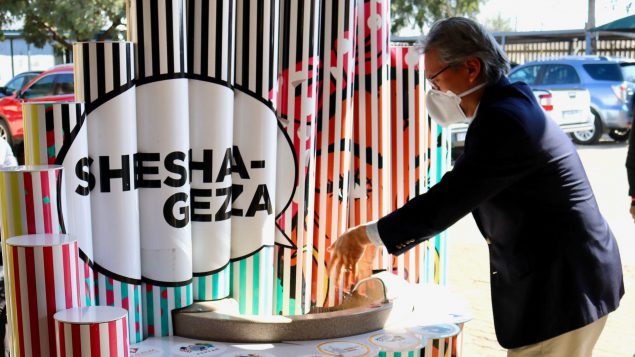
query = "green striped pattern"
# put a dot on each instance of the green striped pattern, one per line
(399, 354)
(110, 292)
(212, 287)
(252, 283)
(158, 303)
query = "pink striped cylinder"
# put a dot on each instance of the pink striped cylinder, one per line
(44, 279)
(92, 331)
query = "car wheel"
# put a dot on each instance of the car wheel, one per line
(589, 137)
(620, 135)
(5, 133)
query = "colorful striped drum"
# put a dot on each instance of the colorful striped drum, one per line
(29, 203)
(92, 331)
(397, 344)
(44, 279)
(56, 133)
(441, 339)
(30, 200)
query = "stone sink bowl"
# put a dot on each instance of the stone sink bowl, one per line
(365, 309)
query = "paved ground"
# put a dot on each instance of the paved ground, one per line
(468, 272)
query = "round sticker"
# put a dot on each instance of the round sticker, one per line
(199, 349)
(436, 331)
(343, 348)
(397, 342)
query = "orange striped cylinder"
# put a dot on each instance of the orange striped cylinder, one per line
(333, 138)
(369, 194)
(440, 340)
(44, 279)
(408, 145)
(93, 331)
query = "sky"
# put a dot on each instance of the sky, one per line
(543, 15)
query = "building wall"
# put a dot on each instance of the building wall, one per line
(26, 57)
(525, 52)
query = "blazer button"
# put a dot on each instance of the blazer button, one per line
(489, 241)
(494, 272)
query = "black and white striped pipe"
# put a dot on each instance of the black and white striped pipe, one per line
(254, 152)
(108, 88)
(163, 146)
(297, 114)
(211, 49)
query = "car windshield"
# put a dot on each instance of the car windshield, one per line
(18, 82)
(628, 69)
(604, 71)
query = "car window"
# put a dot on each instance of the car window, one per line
(526, 74)
(560, 74)
(17, 83)
(64, 84)
(42, 88)
(628, 71)
(604, 71)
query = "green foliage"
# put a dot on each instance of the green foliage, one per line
(63, 22)
(418, 13)
(498, 24)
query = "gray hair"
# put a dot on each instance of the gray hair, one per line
(457, 38)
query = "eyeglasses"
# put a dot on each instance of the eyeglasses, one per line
(431, 79)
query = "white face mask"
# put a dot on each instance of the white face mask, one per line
(445, 108)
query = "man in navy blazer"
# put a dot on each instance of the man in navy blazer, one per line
(555, 266)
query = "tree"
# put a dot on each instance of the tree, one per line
(498, 24)
(418, 13)
(62, 22)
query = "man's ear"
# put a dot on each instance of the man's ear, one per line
(474, 68)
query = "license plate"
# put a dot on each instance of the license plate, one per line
(571, 114)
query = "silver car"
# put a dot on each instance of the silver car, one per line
(608, 80)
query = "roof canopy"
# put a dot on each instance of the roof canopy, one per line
(625, 24)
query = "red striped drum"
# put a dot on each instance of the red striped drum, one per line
(92, 331)
(43, 279)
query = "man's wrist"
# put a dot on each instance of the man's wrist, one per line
(372, 232)
(632, 201)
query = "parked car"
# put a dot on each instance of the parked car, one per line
(17, 82)
(568, 107)
(56, 84)
(610, 82)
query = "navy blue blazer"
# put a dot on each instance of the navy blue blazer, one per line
(555, 264)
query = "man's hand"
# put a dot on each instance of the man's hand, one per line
(346, 253)
(633, 212)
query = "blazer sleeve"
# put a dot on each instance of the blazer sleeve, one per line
(498, 152)
(630, 164)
